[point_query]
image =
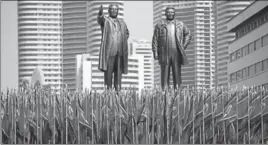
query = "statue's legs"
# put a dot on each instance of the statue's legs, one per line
(117, 73)
(165, 69)
(113, 67)
(176, 69)
(108, 75)
(174, 61)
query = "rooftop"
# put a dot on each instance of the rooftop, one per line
(246, 14)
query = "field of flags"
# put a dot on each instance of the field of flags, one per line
(40, 116)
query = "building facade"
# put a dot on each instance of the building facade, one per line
(89, 77)
(249, 51)
(198, 17)
(144, 48)
(81, 33)
(39, 40)
(225, 10)
(74, 17)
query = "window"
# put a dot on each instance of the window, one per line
(266, 16)
(265, 40)
(262, 18)
(232, 57)
(246, 50)
(245, 72)
(242, 51)
(265, 64)
(258, 67)
(258, 44)
(251, 47)
(254, 24)
(238, 54)
(238, 75)
(233, 77)
(251, 70)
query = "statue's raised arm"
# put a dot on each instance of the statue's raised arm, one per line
(100, 17)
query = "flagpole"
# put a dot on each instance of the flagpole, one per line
(224, 125)
(66, 122)
(178, 108)
(132, 122)
(15, 115)
(212, 115)
(12, 123)
(237, 134)
(107, 116)
(262, 127)
(24, 95)
(136, 125)
(204, 137)
(193, 112)
(78, 115)
(41, 118)
(248, 116)
(54, 124)
(86, 99)
(92, 121)
(1, 120)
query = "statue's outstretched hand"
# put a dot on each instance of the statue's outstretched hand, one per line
(100, 10)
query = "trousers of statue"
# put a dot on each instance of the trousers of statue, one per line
(174, 63)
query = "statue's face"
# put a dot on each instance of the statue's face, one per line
(170, 14)
(113, 11)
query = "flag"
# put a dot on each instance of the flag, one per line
(218, 106)
(242, 105)
(198, 107)
(265, 104)
(230, 108)
(254, 104)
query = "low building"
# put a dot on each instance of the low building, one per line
(249, 51)
(89, 77)
(144, 48)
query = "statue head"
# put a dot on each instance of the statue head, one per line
(113, 10)
(170, 13)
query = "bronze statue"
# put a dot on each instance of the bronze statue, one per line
(113, 56)
(171, 37)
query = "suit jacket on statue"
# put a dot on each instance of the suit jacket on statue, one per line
(159, 43)
(106, 24)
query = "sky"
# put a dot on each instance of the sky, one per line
(138, 16)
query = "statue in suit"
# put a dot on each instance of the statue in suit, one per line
(170, 39)
(113, 56)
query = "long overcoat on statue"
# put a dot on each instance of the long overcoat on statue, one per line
(159, 42)
(107, 40)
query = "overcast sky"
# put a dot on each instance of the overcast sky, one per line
(138, 16)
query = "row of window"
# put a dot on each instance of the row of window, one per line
(54, 60)
(249, 48)
(254, 23)
(249, 71)
(37, 14)
(40, 35)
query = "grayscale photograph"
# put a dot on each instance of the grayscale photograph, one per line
(134, 72)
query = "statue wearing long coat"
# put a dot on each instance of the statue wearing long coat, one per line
(107, 40)
(171, 54)
(159, 45)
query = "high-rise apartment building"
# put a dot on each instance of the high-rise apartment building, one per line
(144, 48)
(74, 16)
(198, 17)
(225, 10)
(39, 40)
(81, 33)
